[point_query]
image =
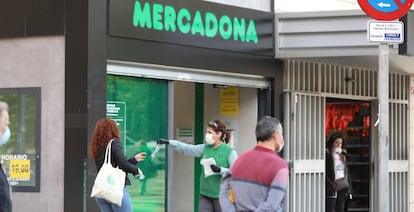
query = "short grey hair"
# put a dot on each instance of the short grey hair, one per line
(3, 106)
(266, 127)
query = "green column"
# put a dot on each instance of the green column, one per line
(198, 138)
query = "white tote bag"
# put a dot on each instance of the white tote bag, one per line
(110, 181)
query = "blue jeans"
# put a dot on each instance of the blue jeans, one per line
(126, 205)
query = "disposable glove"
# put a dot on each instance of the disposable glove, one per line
(215, 168)
(163, 141)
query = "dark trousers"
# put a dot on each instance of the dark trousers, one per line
(207, 204)
(5, 198)
(336, 204)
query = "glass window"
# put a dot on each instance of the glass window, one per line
(20, 137)
(140, 108)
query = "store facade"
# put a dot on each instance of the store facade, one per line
(173, 66)
(164, 69)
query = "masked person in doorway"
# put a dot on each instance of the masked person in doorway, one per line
(5, 190)
(259, 177)
(216, 156)
(338, 181)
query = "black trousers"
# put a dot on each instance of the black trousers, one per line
(336, 204)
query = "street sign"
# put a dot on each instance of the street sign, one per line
(386, 31)
(386, 10)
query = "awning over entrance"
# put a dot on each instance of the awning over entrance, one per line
(339, 37)
(186, 74)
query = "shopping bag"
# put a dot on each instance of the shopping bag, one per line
(230, 193)
(340, 184)
(110, 181)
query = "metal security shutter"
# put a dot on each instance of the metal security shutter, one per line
(305, 152)
(398, 145)
(358, 83)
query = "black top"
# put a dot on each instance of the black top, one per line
(118, 159)
(5, 200)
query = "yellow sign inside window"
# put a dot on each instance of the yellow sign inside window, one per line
(229, 101)
(20, 169)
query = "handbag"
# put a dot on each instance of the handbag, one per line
(110, 181)
(340, 184)
(230, 193)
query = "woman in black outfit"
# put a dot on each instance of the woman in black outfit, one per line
(336, 168)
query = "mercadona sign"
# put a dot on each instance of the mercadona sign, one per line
(194, 23)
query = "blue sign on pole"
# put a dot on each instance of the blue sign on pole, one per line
(384, 6)
(386, 10)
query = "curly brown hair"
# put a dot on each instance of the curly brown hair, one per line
(105, 130)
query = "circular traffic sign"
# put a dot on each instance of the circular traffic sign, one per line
(385, 10)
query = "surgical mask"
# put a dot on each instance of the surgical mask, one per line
(6, 136)
(281, 147)
(338, 150)
(209, 139)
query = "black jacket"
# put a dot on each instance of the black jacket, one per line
(5, 201)
(330, 173)
(118, 159)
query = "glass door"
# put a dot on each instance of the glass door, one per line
(140, 106)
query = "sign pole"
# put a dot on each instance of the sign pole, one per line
(382, 203)
(384, 32)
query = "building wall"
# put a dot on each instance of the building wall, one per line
(411, 146)
(183, 176)
(40, 62)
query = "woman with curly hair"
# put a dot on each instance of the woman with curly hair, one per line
(105, 131)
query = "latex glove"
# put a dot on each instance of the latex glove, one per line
(163, 141)
(140, 175)
(215, 168)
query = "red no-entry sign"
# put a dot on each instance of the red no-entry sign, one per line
(385, 10)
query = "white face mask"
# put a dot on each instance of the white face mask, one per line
(338, 150)
(281, 144)
(281, 147)
(6, 136)
(209, 139)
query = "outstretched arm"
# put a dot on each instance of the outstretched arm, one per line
(120, 159)
(187, 149)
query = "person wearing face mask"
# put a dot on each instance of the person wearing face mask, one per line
(336, 168)
(4, 123)
(215, 147)
(5, 191)
(259, 177)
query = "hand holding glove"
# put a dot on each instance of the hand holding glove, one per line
(215, 168)
(163, 141)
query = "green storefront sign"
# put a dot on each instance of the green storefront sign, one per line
(168, 18)
(194, 23)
